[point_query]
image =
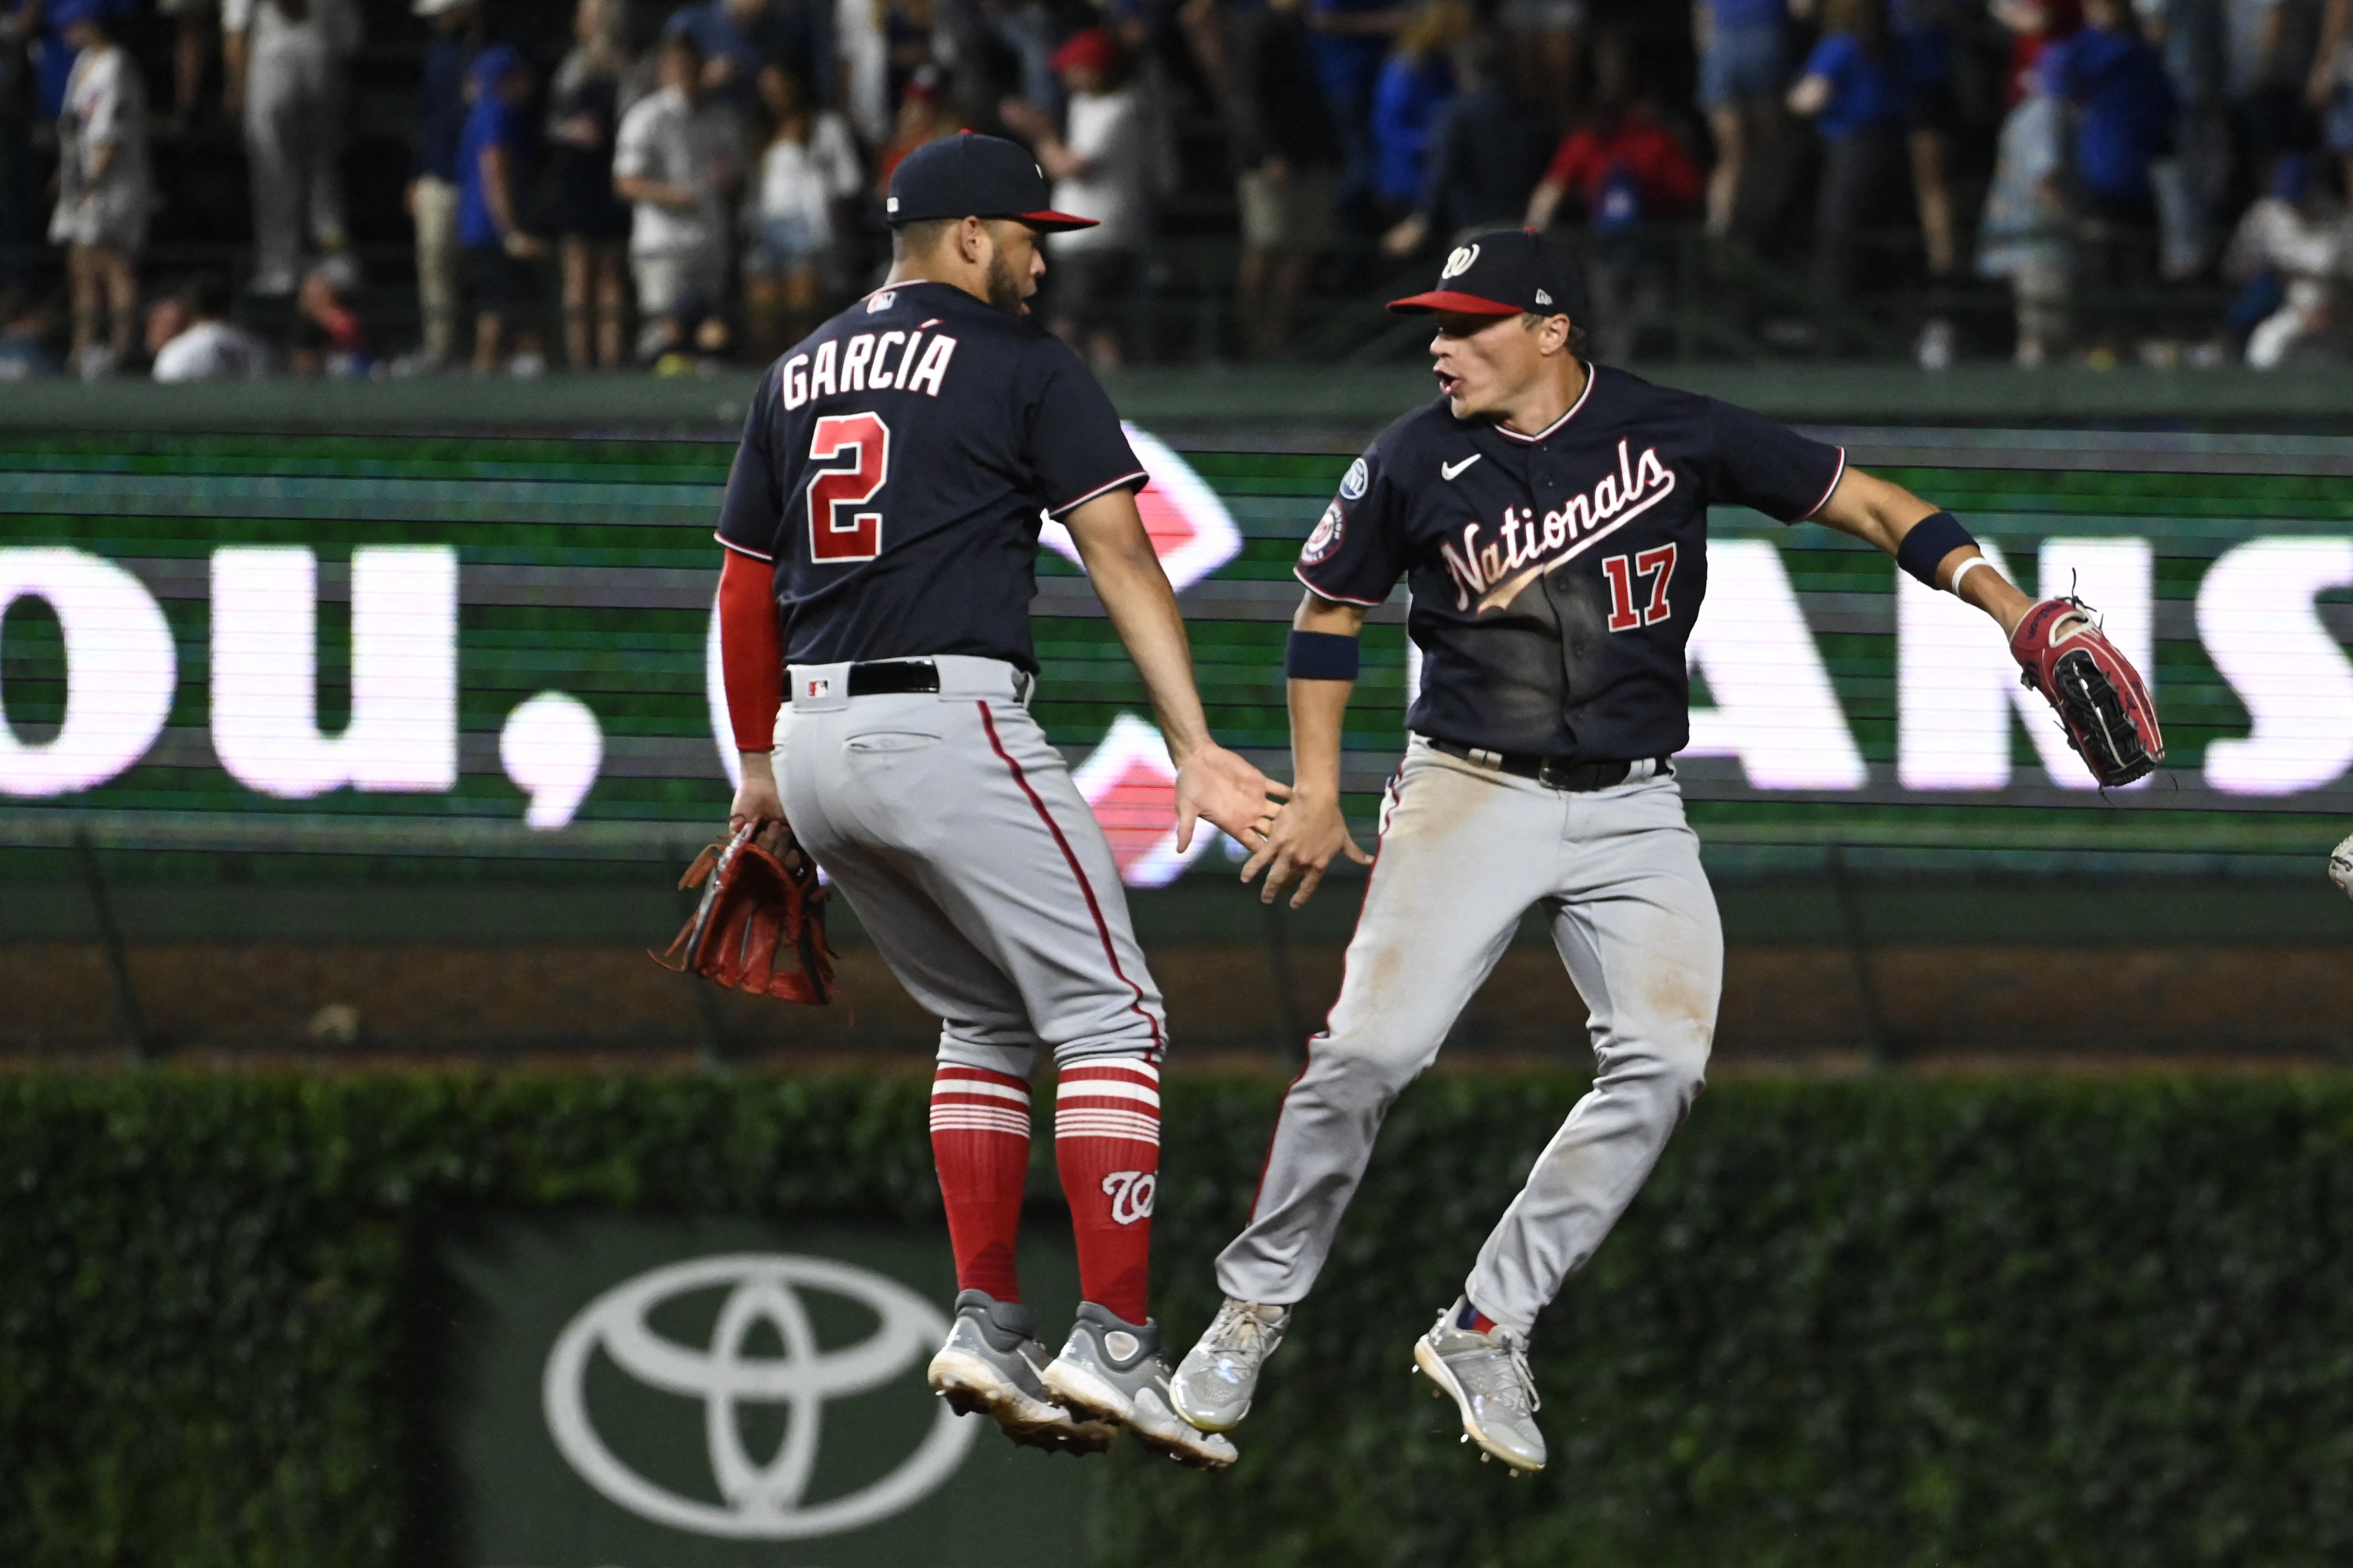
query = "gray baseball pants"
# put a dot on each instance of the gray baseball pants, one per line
(1464, 851)
(973, 863)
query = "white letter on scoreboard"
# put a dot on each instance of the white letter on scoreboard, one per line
(403, 734)
(1775, 708)
(1956, 685)
(2256, 617)
(119, 670)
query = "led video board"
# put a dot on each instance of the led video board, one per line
(459, 650)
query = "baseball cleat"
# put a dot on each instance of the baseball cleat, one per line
(1113, 1371)
(991, 1365)
(1213, 1386)
(1487, 1376)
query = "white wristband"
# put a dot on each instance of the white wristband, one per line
(1954, 587)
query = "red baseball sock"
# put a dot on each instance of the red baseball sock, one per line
(1107, 1146)
(980, 1141)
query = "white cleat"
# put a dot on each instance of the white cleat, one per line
(1215, 1382)
(1113, 1371)
(991, 1365)
(1486, 1375)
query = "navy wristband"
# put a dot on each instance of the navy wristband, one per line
(1321, 655)
(1932, 539)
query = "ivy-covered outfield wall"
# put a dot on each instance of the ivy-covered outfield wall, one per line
(1881, 1322)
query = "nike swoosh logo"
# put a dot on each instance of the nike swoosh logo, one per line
(1449, 470)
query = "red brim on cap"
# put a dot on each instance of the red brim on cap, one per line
(1056, 223)
(1447, 299)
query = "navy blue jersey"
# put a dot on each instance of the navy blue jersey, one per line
(894, 468)
(1555, 577)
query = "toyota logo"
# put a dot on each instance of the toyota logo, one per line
(760, 1501)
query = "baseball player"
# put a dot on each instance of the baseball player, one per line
(1550, 518)
(880, 526)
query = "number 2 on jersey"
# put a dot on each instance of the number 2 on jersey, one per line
(1659, 566)
(838, 530)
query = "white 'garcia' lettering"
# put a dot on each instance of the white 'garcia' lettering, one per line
(1525, 547)
(866, 362)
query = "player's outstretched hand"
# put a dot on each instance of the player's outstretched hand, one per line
(1306, 834)
(1216, 783)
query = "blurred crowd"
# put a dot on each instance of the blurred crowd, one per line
(675, 189)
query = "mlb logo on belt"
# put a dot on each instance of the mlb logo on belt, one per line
(820, 685)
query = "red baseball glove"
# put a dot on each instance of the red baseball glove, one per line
(754, 903)
(2100, 697)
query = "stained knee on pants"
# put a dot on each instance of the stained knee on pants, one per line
(1360, 1079)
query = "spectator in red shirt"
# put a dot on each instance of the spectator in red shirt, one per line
(1623, 145)
(1628, 172)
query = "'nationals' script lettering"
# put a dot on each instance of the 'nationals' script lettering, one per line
(1525, 547)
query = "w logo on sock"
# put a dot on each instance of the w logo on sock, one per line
(1131, 1195)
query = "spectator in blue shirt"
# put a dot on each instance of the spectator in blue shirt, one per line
(1487, 149)
(493, 172)
(1415, 82)
(1852, 88)
(458, 39)
(2124, 122)
(739, 36)
(2124, 118)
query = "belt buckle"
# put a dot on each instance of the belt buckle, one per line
(1547, 775)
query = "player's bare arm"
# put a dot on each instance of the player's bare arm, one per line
(1310, 829)
(1883, 515)
(1211, 780)
(2101, 700)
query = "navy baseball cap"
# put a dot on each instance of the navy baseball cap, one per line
(1502, 274)
(971, 175)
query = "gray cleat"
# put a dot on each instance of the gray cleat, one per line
(992, 1364)
(1114, 1370)
(1487, 1375)
(1212, 1389)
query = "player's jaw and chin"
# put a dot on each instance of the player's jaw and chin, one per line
(1009, 271)
(1486, 363)
(1011, 283)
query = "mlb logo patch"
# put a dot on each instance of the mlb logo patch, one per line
(818, 686)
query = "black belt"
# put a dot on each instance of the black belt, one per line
(890, 678)
(1552, 771)
(898, 676)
